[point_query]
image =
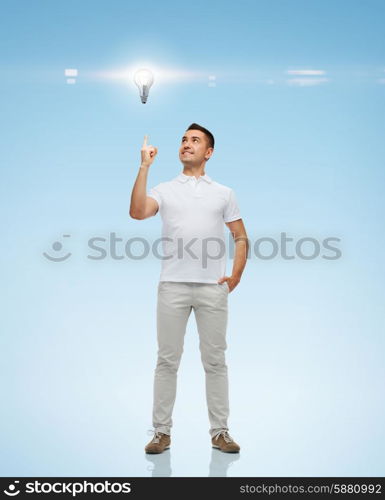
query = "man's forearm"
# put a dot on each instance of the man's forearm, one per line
(139, 193)
(240, 257)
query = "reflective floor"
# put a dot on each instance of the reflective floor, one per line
(161, 465)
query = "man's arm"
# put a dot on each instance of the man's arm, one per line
(238, 232)
(143, 206)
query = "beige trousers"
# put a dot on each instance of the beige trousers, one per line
(174, 305)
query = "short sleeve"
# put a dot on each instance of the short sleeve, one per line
(231, 211)
(155, 193)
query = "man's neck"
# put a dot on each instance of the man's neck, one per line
(194, 171)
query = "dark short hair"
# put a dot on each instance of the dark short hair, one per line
(209, 135)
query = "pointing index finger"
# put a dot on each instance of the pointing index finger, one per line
(145, 141)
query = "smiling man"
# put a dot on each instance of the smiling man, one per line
(194, 209)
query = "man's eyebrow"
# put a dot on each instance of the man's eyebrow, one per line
(193, 136)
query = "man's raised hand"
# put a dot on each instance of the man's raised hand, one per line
(148, 153)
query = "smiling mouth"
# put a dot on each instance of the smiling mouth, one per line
(184, 152)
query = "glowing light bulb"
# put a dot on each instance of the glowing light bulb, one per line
(144, 79)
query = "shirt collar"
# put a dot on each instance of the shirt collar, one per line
(183, 177)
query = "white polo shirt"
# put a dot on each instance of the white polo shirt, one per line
(193, 213)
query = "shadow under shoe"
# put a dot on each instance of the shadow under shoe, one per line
(220, 462)
(158, 443)
(161, 463)
(224, 442)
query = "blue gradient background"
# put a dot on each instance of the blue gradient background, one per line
(306, 337)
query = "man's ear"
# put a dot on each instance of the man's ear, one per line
(212, 151)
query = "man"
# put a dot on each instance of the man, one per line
(194, 209)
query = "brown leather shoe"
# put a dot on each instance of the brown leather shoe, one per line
(158, 443)
(225, 442)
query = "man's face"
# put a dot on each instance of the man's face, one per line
(194, 148)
